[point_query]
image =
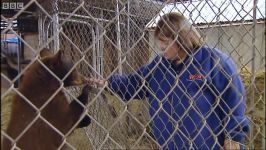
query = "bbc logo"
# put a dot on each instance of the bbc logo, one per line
(12, 5)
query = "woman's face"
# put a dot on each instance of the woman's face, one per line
(169, 48)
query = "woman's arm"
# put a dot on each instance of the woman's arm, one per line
(232, 102)
(131, 86)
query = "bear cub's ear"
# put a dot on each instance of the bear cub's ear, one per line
(57, 58)
(46, 52)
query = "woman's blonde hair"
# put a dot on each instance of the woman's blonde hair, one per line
(174, 24)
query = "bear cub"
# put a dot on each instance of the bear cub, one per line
(41, 115)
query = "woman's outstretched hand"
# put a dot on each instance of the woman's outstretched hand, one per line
(231, 145)
(98, 82)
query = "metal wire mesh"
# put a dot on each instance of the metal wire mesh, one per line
(112, 38)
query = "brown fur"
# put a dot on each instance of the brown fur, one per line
(38, 86)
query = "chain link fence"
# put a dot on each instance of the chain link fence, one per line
(116, 37)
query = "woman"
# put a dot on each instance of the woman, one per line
(196, 97)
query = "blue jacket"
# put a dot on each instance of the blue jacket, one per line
(196, 104)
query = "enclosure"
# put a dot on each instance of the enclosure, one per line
(115, 37)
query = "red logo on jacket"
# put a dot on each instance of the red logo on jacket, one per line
(196, 77)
